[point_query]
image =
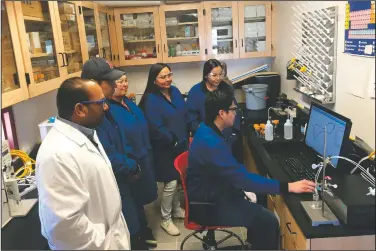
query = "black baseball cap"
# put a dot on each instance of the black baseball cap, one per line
(100, 69)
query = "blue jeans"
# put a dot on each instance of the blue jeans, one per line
(262, 225)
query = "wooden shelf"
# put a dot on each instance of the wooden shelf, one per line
(180, 24)
(70, 52)
(139, 41)
(36, 19)
(182, 38)
(225, 40)
(40, 55)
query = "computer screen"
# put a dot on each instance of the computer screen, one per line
(335, 129)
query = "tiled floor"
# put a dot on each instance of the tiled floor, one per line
(167, 242)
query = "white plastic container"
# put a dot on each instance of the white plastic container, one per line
(268, 131)
(288, 129)
(255, 96)
(178, 49)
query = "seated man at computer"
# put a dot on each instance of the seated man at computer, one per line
(214, 176)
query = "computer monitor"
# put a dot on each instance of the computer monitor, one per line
(337, 128)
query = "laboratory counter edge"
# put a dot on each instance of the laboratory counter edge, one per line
(266, 167)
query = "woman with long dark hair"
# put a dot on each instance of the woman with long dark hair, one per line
(164, 108)
(212, 79)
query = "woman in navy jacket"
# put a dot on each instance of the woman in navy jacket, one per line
(164, 109)
(212, 79)
(129, 126)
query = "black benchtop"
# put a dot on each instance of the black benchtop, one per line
(267, 166)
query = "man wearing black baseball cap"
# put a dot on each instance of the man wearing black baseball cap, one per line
(102, 71)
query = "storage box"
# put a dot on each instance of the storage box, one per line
(67, 17)
(67, 41)
(66, 8)
(35, 45)
(32, 9)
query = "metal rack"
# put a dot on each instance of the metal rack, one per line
(314, 62)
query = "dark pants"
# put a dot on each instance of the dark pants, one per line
(262, 226)
(141, 217)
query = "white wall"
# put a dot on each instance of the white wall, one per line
(350, 69)
(30, 113)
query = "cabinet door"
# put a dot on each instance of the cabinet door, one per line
(183, 32)
(71, 34)
(138, 35)
(113, 38)
(255, 28)
(104, 25)
(41, 49)
(221, 28)
(92, 29)
(13, 81)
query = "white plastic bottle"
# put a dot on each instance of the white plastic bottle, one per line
(178, 49)
(288, 129)
(269, 131)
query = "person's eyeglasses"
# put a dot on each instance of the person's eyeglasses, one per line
(219, 76)
(234, 109)
(169, 75)
(102, 102)
(121, 81)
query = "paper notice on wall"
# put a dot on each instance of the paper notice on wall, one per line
(364, 68)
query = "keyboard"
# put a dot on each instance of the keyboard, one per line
(297, 166)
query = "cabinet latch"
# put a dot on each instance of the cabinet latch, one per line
(206, 51)
(27, 76)
(204, 12)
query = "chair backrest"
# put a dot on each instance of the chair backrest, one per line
(181, 165)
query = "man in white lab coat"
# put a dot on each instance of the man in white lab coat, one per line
(79, 200)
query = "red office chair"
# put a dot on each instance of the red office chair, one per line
(208, 242)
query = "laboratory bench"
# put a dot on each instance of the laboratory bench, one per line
(296, 229)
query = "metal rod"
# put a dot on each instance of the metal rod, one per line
(323, 175)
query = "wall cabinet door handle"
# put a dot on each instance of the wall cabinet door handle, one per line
(66, 59)
(236, 43)
(242, 43)
(164, 47)
(158, 48)
(62, 56)
(288, 224)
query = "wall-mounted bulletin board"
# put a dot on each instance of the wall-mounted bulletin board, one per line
(360, 28)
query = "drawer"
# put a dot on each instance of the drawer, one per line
(294, 237)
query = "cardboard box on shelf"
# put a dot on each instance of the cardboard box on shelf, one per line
(35, 45)
(66, 8)
(67, 17)
(32, 9)
(67, 41)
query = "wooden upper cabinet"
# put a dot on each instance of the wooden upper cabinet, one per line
(113, 38)
(221, 29)
(255, 28)
(138, 35)
(13, 81)
(104, 26)
(40, 44)
(92, 29)
(182, 32)
(72, 35)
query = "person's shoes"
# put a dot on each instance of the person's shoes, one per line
(169, 227)
(179, 214)
(148, 237)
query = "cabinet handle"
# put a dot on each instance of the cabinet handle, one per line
(288, 228)
(242, 43)
(236, 43)
(281, 240)
(158, 48)
(62, 56)
(66, 59)
(104, 52)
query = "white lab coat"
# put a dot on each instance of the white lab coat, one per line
(79, 200)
